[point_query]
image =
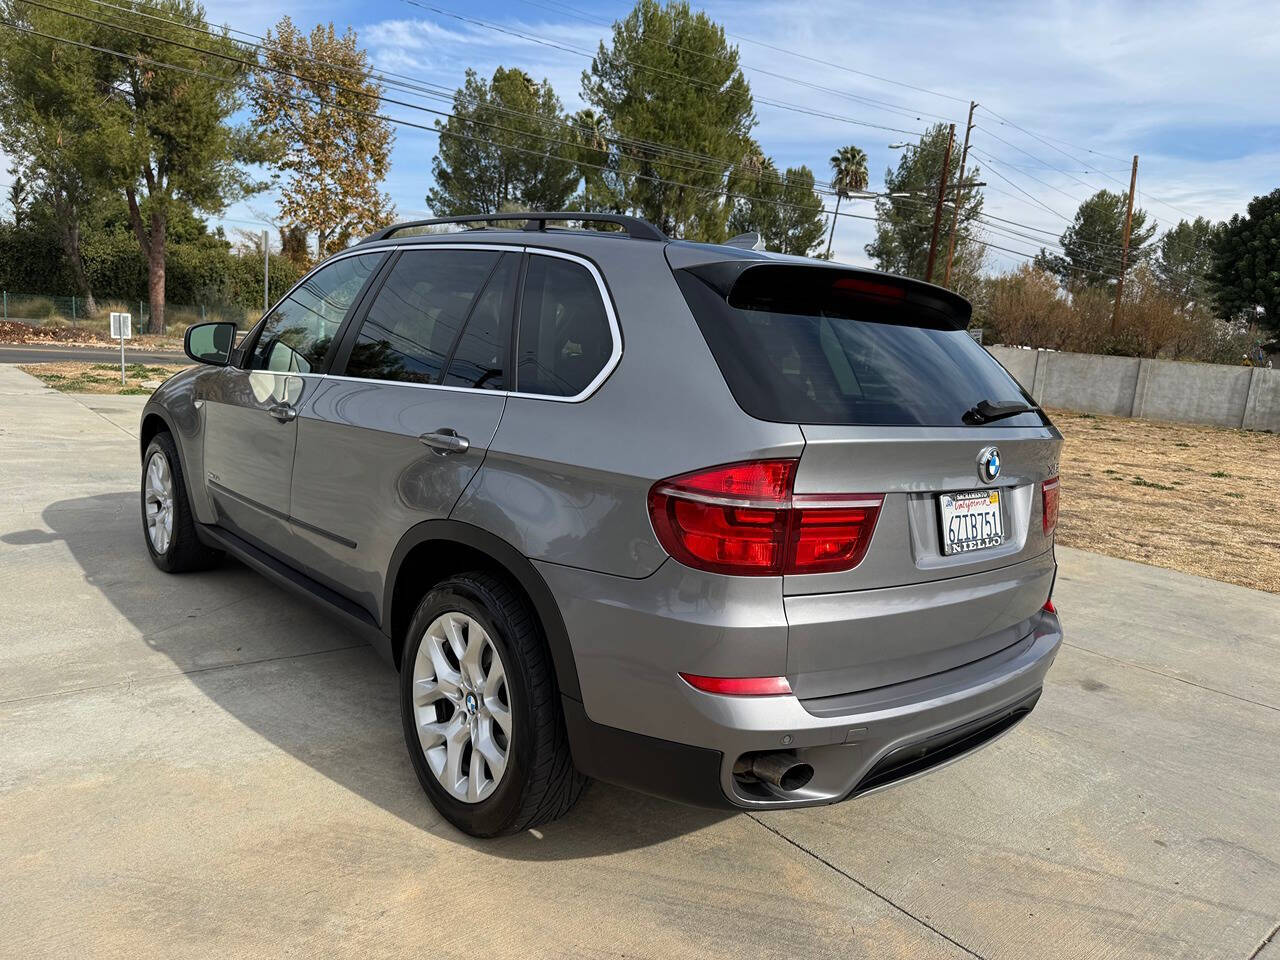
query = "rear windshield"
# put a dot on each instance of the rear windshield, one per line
(800, 344)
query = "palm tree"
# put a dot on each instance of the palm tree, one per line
(850, 176)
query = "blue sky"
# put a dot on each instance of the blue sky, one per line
(1190, 87)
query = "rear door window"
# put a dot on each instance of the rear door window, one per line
(800, 344)
(480, 358)
(414, 321)
(565, 339)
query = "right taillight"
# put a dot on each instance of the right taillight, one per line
(744, 519)
(1049, 495)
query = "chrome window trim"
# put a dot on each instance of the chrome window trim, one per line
(615, 331)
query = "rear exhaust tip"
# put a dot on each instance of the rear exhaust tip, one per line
(783, 770)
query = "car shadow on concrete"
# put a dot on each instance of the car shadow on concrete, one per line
(294, 676)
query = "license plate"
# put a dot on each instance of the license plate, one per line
(971, 520)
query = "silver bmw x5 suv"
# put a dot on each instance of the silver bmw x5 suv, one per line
(730, 528)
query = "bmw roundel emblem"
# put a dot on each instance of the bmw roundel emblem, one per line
(989, 464)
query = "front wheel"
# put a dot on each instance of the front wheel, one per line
(168, 524)
(481, 710)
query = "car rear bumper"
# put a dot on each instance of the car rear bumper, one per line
(641, 726)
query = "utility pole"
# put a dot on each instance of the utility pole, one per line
(937, 211)
(955, 216)
(1124, 249)
(266, 273)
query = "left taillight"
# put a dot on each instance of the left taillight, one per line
(1049, 496)
(744, 519)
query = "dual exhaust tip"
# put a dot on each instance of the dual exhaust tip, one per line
(783, 770)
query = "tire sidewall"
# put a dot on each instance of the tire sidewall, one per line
(494, 814)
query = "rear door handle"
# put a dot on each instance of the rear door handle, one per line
(446, 440)
(284, 412)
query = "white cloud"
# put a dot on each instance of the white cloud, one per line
(1188, 85)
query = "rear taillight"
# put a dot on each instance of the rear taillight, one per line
(1049, 494)
(1049, 607)
(744, 519)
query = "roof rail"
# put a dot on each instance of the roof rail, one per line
(636, 228)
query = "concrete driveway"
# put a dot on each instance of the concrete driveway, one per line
(203, 766)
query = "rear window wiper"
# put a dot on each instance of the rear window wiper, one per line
(984, 411)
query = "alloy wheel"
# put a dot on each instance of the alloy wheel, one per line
(159, 502)
(461, 706)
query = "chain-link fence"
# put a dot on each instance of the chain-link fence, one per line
(48, 310)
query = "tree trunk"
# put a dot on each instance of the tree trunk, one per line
(155, 270)
(68, 218)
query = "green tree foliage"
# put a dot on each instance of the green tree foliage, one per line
(848, 176)
(1093, 242)
(1246, 262)
(1184, 259)
(670, 77)
(505, 148)
(152, 124)
(785, 210)
(44, 124)
(316, 97)
(901, 244)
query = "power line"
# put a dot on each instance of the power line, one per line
(779, 104)
(232, 80)
(424, 88)
(363, 74)
(900, 109)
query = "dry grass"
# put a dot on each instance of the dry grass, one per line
(1202, 500)
(86, 334)
(80, 377)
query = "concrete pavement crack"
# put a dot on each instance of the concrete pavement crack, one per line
(129, 681)
(1170, 676)
(875, 893)
(1265, 940)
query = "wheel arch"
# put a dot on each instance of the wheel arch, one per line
(435, 549)
(153, 422)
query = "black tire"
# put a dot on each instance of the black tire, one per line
(540, 783)
(184, 552)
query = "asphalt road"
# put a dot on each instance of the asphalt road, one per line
(53, 354)
(204, 766)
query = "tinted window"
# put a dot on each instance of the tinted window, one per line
(481, 354)
(297, 334)
(564, 331)
(416, 315)
(803, 344)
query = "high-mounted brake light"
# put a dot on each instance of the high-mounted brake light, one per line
(871, 287)
(743, 519)
(1049, 495)
(739, 686)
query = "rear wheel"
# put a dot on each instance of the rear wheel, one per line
(481, 710)
(168, 525)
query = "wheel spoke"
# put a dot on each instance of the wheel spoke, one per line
(456, 740)
(488, 748)
(472, 659)
(500, 715)
(447, 678)
(453, 631)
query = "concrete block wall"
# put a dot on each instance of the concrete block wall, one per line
(1224, 396)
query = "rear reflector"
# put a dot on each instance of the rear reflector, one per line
(743, 519)
(1049, 494)
(739, 686)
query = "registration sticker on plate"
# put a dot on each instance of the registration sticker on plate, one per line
(971, 520)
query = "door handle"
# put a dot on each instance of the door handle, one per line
(284, 412)
(445, 441)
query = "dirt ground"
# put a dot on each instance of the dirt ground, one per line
(80, 377)
(1202, 500)
(82, 335)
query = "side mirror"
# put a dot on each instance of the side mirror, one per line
(210, 343)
